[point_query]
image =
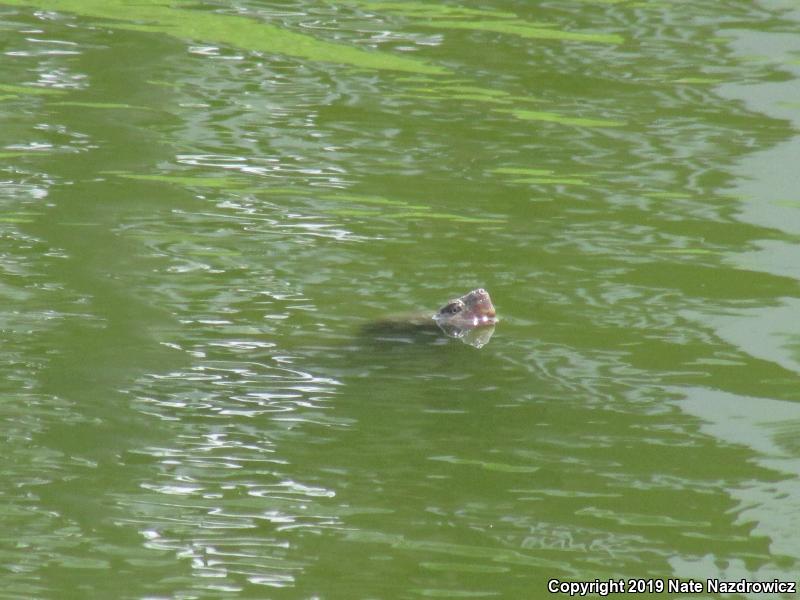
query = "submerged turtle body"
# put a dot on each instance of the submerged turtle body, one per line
(470, 318)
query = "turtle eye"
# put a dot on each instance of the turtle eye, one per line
(453, 308)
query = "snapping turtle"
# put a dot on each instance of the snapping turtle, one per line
(470, 318)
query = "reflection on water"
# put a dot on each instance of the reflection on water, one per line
(477, 338)
(769, 506)
(195, 237)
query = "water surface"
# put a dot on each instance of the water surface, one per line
(203, 203)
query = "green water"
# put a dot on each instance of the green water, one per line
(203, 202)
